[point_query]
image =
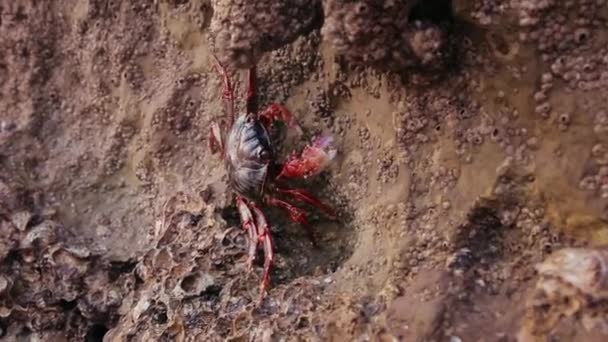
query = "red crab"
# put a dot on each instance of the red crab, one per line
(254, 173)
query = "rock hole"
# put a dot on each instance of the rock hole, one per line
(581, 35)
(231, 216)
(190, 282)
(435, 11)
(159, 313)
(588, 68)
(67, 305)
(226, 241)
(462, 113)
(302, 323)
(96, 333)
(195, 219)
(212, 292)
(361, 8)
(119, 267)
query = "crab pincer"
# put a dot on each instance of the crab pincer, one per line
(314, 159)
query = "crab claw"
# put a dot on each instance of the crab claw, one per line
(314, 159)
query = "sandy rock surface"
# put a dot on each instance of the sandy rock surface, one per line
(472, 170)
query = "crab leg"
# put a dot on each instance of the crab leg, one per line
(250, 97)
(314, 159)
(296, 215)
(266, 240)
(249, 226)
(228, 93)
(306, 197)
(215, 139)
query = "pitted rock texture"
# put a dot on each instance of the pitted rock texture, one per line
(53, 282)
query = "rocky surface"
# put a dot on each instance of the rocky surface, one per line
(389, 35)
(243, 30)
(460, 190)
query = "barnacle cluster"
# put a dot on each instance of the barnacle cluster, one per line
(379, 34)
(369, 33)
(244, 30)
